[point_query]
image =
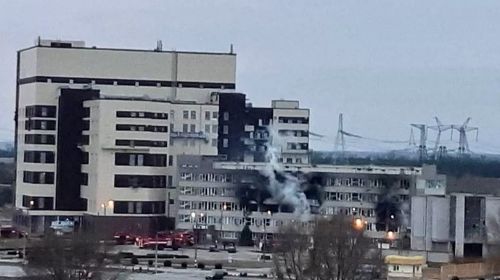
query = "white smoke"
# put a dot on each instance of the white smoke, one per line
(287, 189)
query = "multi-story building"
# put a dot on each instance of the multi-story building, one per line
(247, 131)
(98, 130)
(456, 225)
(226, 195)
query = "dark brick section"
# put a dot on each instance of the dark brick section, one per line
(109, 225)
(69, 157)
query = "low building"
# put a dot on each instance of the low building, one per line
(404, 267)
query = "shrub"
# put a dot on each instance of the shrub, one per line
(134, 261)
(150, 262)
(218, 266)
(201, 265)
(184, 265)
(167, 263)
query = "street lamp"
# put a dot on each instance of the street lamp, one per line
(265, 233)
(223, 208)
(197, 235)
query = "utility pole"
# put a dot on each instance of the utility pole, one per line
(463, 144)
(439, 127)
(340, 141)
(422, 147)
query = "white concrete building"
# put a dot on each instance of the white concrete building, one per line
(90, 118)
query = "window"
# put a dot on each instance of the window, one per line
(214, 142)
(215, 115)
(170, 182)
(39, 139)
(225, 129)
(226, 116)
(225, 143)
(184, 128)
(185, 114)
(170, 160)
(207, 128)
(140, 181)
(207, 115)
(214, 128)
(192, 128)
(193, 115)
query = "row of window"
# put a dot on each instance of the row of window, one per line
(360, 182)
(206, 177)
(354, 211)
(129, 159)
(125, 82)
(142, 181)
(134, 127)
(296, 133)
(40, 124)
(38, 177)
(139, 207)
(209, 205)
(347, 196)
(38, 202)
(43, 111)
(297, 146)
(139, 114)
(39, 156)
(293, 120)
(39, 139)
(214, 128)
(207, 191)
(366, 197)
(140, 143)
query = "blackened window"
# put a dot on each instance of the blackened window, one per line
(141, 114)
(40, 124)
(140, 143)
(38, 177)
(42, 111)
(38, 202)
(170, 160)
(85, 179)
(140, 181)
(132, 127)
(85, 140)
(86, 125)
(39, 139)
(139, 207)
(39, 156)
(133, 159)
(85, 158)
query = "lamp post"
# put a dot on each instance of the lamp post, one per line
(264, 247)
(224, 207)
(197, 235)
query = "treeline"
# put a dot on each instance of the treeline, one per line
(455, 166)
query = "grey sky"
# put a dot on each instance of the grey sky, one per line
(384, 64)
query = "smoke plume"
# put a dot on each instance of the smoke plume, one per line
(283, 187)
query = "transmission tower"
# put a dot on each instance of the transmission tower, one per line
(439, 127)
(422, 147)
(340, 141)
(463, 143)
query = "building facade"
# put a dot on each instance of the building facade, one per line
(99, 131)
(91, 121)
(228, 195)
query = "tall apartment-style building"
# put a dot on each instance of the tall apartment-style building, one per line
(98, 130)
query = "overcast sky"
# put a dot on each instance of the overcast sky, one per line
(384, 64)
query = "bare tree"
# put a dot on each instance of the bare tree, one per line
(291, 253)
(66, 258)
(332, 248)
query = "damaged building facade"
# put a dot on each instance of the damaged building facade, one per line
(227, 195)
